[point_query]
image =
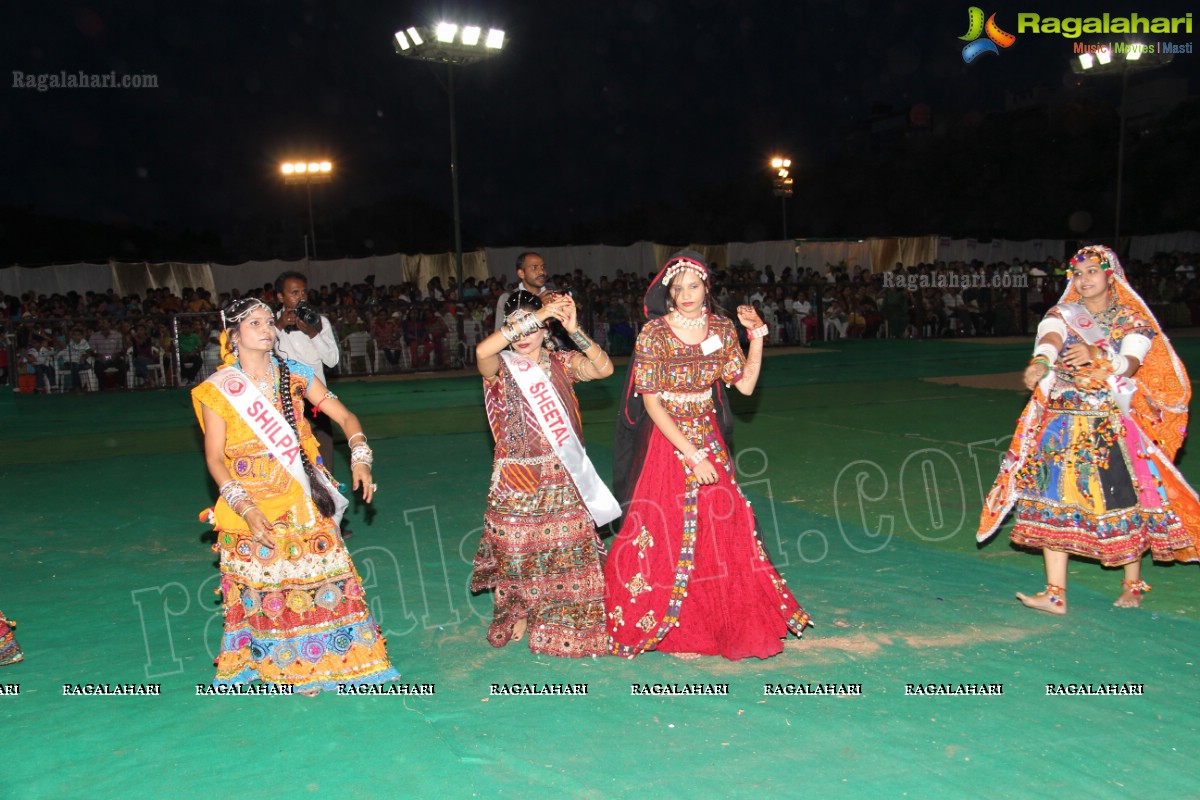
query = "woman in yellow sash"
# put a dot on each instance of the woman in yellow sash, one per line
(1090, 469)
(294, 607)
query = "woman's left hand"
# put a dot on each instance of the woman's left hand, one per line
(362, 479)
(749, 317)
(1078, 355)
(568, 316)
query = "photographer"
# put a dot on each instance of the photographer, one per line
(308, 337)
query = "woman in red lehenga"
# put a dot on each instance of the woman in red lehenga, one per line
(688, 574)
(540, 552)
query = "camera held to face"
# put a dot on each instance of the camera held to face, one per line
(308, 315)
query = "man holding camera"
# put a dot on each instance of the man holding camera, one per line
(308, 337)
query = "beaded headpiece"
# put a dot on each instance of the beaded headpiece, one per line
(238, 310)
(520, 313)
(682, 264)
(1106, 257)
(233, 314)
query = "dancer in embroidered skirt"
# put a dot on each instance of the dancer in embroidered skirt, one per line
(688, 574)
(1090, 469)
(10, 651)
(540, 552)
(294, 607)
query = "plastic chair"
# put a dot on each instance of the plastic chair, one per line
(358, 345)
(155, 370)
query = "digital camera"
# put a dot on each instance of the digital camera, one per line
(308, 315)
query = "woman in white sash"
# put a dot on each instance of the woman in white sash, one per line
(294, 607)
(540, 552)
(1090, 469)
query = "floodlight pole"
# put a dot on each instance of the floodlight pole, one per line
(312, 230)
(1131, 63)
(1120, 159)
(458, 249)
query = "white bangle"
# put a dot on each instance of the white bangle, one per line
(1119, 364)
(1047, 350)
(698, 456)
(760, 332)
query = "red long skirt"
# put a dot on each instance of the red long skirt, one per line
(687, 573)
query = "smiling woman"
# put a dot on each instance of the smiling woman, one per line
(1090, 469)
(689, 531)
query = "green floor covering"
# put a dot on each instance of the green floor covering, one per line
(867, 481)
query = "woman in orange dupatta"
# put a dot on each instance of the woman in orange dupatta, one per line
(295, 612)
(1090, 469)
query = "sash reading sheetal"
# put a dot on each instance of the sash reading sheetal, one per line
(547, 407)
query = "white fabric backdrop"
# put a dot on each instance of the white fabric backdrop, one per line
(1144, 248)
(997, 250)
(138, 276)
(56, 279)
(594, 260)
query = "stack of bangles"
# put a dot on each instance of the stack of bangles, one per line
(360, 453)
(584, 344)
(759, 333)
(520, 328)
(237, 498)
(698, 456)
(1045, 355)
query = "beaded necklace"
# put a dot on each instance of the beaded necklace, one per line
(268, 384)
(1109, 315)
(679, 320)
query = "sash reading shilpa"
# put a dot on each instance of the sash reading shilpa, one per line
(547, 408)
(272, 430)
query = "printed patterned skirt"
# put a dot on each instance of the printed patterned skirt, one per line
(10, 651)
(1091, 489)
(541, 555)
(297, 614)
(687, 573)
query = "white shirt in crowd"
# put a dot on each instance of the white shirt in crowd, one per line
(318, 352)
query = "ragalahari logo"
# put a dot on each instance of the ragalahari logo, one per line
(976, 27)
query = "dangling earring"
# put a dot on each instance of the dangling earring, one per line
(235, 352)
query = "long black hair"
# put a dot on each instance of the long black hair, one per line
(320, 493)
(522, 299)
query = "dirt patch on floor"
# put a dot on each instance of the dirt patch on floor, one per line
(998, 380)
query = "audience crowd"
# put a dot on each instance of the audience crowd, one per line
(98, 341)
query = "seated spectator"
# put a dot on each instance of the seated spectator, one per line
(108, 348)
(145, 354)
(77, 357)
(39, 360)
(191, 357)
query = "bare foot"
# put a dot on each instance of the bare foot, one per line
(1052, 601)
(1131, 594)
(685, 656)
(311, 691)
(519, 630)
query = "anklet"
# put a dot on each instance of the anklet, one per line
(1136, 588)
(1055, 593)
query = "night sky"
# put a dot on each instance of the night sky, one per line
(591, 109)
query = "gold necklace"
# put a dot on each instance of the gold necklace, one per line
(268, 384)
